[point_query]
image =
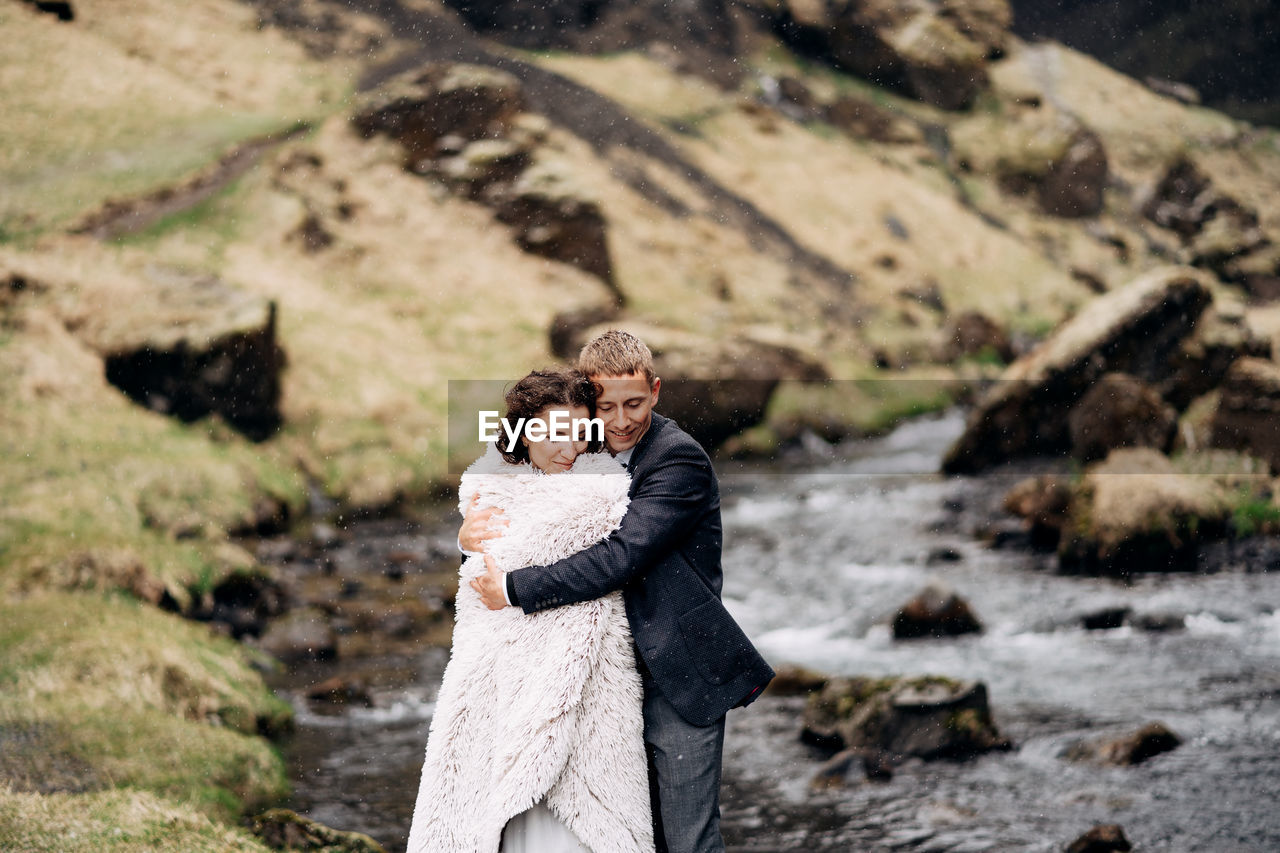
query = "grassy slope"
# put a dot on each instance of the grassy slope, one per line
(147, 723)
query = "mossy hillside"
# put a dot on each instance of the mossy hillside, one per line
(121, 820)
(97, 486)
(102, 692)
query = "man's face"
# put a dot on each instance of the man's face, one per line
(626, 406)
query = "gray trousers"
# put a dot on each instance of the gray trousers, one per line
(684, 776)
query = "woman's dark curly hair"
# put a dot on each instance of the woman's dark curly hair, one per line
(542, 389)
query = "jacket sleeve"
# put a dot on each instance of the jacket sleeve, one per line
(667, 504)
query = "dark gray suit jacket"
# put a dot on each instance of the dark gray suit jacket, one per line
(665, 558)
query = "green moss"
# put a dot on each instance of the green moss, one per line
(1252, 514)
(113, 691)
(115, 821)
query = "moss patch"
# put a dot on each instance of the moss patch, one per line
(113, 692)
(116, 821)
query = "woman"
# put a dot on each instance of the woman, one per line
(537, 739)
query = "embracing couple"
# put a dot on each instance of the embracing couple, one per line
(583, 707)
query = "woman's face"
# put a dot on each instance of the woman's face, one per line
(554, 457)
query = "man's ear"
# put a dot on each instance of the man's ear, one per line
(657, 385)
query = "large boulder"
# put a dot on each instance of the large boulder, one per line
(191, 347)
(1044, 153)
(935, 52)
(441, 101)
(1134, 329)
(928, 717)
(1248, 415)
(1120, 411)
(713, 388)
(1139, 512)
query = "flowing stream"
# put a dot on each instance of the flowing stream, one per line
(818, 556)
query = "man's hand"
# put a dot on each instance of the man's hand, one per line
(489, 586)
(479, 526)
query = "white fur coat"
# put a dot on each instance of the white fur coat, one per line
(544, 705)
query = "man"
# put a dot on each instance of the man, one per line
(694, 660)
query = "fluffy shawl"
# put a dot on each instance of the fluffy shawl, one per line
(543, 705)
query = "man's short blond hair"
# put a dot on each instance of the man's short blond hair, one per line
(616, 353)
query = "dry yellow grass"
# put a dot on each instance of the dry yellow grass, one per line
(115, 821)
(132, 95)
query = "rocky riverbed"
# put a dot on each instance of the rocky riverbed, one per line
(819, 556)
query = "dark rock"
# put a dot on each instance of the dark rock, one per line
(1107, 619)
(301, 635)
(1181, 200)
(934, 52)
(926, 718)
(972, 334)
(1248, 415)
(691, 35)
(61, 9)
(796, 681)
(1202, 360)
(1120, 411)
(1134, 329)
(553, 219)
(482, 165)
(419, 108)
(863, 119)
(286, 830)
(1044, 504)
(1127, 750)
(312, 234)
(944, 554)
(716, 388)
(341, 691)
(1215, 227)
(1258, 273)
(1158, 623)
(569, 328)
(199, 348)
(936, 611)
(1104, 838)
(243, 602)
(1073, 185)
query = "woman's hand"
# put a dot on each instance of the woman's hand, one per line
(479, 526)
(489, 586)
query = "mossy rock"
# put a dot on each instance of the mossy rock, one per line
(927, 717)
(282, 829)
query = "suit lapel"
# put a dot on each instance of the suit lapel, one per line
(657, 423)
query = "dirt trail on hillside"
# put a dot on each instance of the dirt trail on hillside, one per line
(119, 217)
